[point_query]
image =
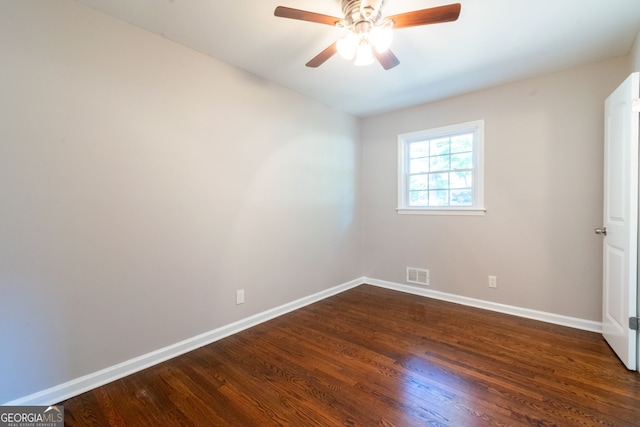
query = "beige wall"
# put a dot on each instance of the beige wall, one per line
(142, 183)
(543, 193)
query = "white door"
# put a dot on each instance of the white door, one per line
(620, 250)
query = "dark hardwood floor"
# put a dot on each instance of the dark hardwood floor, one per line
(376, 357)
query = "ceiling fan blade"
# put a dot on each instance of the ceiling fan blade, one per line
(303, 15)
(323, 56)
(387, 59)
(433, 15)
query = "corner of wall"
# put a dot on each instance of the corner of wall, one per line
(635, 54)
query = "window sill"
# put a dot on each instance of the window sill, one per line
(422, 211)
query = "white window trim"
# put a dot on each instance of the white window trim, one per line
(477, 127)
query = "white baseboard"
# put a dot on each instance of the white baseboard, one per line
(558, 319)
(88, 382)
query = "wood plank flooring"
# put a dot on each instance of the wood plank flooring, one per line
(376, 357)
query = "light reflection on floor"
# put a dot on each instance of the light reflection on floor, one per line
(436, 394)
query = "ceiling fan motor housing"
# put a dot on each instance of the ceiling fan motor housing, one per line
(355, 13)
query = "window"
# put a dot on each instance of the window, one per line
(440, 171)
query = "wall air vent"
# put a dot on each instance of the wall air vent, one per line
(417, 276)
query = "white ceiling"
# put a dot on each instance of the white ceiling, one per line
(493, 42)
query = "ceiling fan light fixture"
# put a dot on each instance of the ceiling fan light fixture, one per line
(347, 46)
(364, 53)
(381, 37)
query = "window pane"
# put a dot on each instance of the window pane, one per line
(419, 149)
(462, 161)
(440, 163)
(462, 143)
(438, 181)
(461, 198)
(442, 169)
(439, 198)
(460, 179)
(419, 165)
(418, 182)
(419, 198)
(440, 146)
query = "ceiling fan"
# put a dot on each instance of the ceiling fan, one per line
(370, 33)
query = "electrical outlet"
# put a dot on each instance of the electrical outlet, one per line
(240, 296)
(493, 281)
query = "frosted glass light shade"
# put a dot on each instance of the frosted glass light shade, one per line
(347, 46)
(381, 38)
(364, 53)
